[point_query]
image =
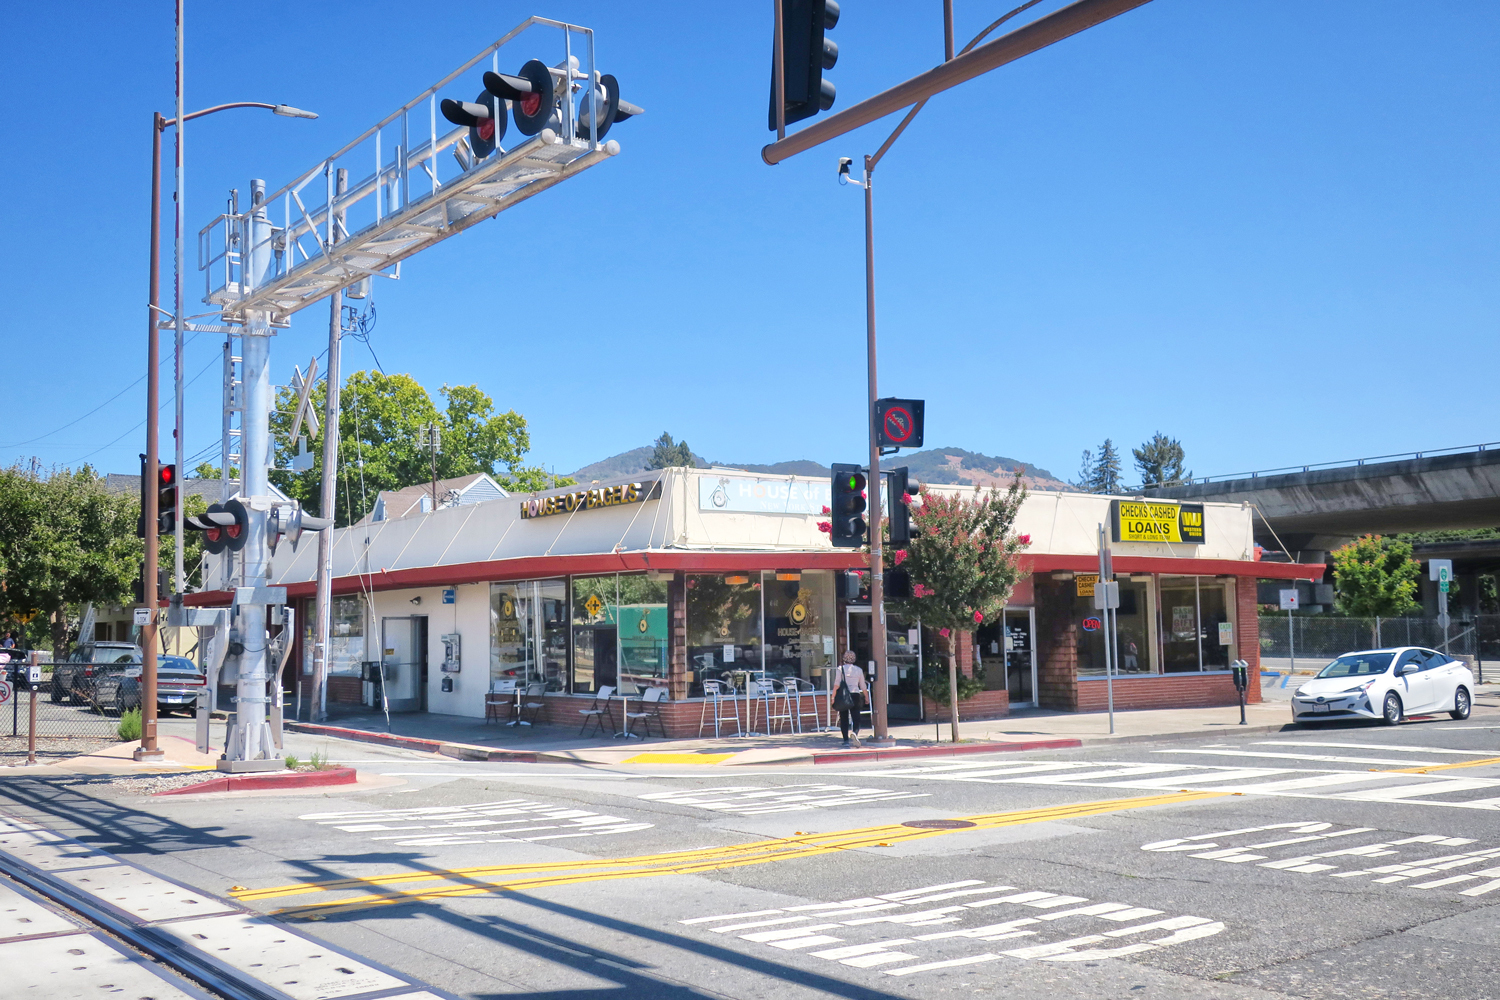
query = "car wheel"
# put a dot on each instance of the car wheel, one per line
(1392, 709)
(1461, 704)
(57, 691)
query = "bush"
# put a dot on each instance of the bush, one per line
(935, 685)
(129, 727)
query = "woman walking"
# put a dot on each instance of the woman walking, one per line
(850, 695)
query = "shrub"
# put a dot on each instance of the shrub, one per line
(129, 727)
(935, 686)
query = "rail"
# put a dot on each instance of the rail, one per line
(1342, 464)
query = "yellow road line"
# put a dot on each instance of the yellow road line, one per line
(474, 881)
(1445, 767)
(677, 758)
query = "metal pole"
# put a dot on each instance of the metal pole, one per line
(31, 729)
(877, 569)
(149, 507)
(179, 581)
(323, 611)
(1106, 574)
(947, 31)
(778, 74)
(1291, 644)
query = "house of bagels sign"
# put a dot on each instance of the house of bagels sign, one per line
(593, 499)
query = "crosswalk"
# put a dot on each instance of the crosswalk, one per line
(1422, 776)
(1284, 846)
(881, 932)
(760, 800)
(509, 821)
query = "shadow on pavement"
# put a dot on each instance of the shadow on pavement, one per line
(100, 822)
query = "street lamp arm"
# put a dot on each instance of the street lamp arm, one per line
(873, 160)
(285, 110)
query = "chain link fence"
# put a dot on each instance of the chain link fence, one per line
(1318, 638)
(69, 721)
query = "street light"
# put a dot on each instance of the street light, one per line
(148, 748)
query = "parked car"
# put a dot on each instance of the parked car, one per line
(178, 681)
(73, 678)
(1386, 684)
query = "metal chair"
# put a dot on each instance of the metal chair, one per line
(500, 702)
(533, 704)
(804, 694)
(714, 694)
(653, 697)
(776, 703)
(596, 713)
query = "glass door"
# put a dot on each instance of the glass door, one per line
(1020, 656)
(404, 661)
(903, 659)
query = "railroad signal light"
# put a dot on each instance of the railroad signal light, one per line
(847, 525)
(224, 526)
(166, 499)
(485, 118)
(805, 53)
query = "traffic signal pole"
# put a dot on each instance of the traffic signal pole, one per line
(327, 497)
(148, 749)
(881, 693)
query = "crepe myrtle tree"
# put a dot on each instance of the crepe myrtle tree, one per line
(963, 564)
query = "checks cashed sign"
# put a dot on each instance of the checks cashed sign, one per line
(1157, 521)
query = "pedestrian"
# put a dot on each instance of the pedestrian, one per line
(850, 695)
(9, 642)
(1131, 656)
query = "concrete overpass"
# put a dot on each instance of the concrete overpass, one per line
(1319, 507)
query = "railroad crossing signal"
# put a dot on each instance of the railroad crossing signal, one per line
(224, 526)
(847, 526)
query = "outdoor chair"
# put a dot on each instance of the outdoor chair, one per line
(804, 694)
(650, 712)
(500, 702)
(776, 706)
(596, 713)
(533, 703)
(715, 695)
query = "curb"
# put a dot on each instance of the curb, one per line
(1098, 741)
(253, 782)
(462, 751)
(951, 750)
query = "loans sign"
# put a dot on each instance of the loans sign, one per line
(1157, 521)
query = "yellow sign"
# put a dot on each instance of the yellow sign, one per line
(593, 605)
(1086, 583)
(1157, 521)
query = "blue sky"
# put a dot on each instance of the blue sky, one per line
(1267, 228)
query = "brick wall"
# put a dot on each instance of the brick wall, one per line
(680, 719)
(1159, 691)
(1247, 633)
(984, 705)
(1056, 643)
(345, 689)
(678, 679)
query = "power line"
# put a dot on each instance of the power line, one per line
(138, 426)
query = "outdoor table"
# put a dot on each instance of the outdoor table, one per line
(625, 733)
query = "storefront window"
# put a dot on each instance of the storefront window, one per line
(528, 632)
(1192, 609)
(723, 626)
(346, 636)
(799, 623)
(1133, 627)
(620, 627)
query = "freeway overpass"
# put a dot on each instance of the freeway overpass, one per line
(1318, 507)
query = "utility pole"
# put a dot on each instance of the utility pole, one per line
(179, 259)
(327, 497)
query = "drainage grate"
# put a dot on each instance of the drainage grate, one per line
(939, 824)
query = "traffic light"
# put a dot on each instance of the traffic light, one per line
(485, 117)
(224, 526)
(898, 585)
(166, 499)
(805, 53)
(847, 526)
(900, 514)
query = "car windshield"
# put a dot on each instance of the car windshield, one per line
(1357, 665)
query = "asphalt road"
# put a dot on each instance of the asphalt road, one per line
(1350, 861)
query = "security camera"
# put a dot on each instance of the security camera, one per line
(844, 164)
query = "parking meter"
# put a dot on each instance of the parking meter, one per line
(1240, 670)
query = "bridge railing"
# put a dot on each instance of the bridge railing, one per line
(1341, 464)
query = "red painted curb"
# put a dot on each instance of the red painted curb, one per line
(268, 779)
(838, 756)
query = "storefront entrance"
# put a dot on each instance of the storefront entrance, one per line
(1007, 652)
(903, 658)
(403, 647)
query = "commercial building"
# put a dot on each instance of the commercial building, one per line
(687, 576)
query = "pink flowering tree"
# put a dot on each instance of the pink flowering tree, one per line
(963, 565)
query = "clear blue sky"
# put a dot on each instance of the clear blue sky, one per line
(1267, 228)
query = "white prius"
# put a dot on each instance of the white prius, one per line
(1386, 684)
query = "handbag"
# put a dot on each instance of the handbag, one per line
(842, 699)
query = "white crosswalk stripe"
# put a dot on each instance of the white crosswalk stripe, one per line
(1029, 915)
(759, 800)
(510, 821)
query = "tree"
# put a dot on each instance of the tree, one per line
(64, 540)
(962, 563)
(666, 455)
(1101, 473)
(1160, 461)
(381, 448)
(1375, 577)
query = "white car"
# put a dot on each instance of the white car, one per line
(1386, 684)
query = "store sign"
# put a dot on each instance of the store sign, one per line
(594, 499)
(1184, 621)
(1092, 624)
(733, 494)
(1086, 582)
(1157, 521)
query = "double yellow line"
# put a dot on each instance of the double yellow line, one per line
(387, 889)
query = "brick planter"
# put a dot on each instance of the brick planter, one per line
(984, 705)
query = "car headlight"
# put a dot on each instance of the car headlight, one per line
(1300, 692)
(1359, 687)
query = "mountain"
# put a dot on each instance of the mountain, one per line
(934, 465)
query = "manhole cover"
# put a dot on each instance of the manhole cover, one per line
(939, 824)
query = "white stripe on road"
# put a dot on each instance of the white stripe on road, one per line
(1372, 746)
(1321, 758)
